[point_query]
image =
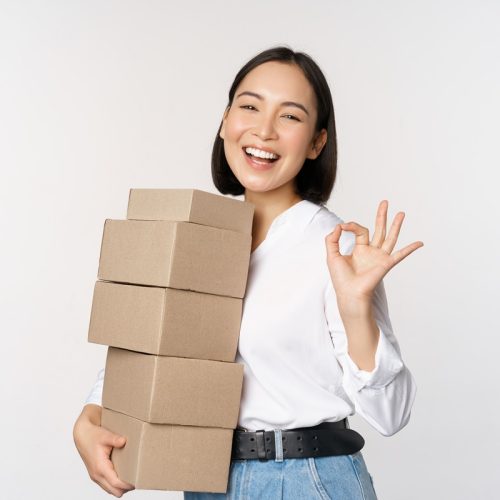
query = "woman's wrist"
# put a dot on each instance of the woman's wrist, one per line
(355, 308)
(89, 417)
(92, 413)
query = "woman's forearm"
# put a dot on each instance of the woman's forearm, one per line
(362, 334)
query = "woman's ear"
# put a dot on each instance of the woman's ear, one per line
(317, 145)
(224, 116)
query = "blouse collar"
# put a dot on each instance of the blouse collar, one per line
(299, 215)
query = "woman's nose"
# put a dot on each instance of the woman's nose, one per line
(265, 127)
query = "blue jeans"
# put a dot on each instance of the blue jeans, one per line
(342, 477)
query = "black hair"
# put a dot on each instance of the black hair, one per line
(316, 179)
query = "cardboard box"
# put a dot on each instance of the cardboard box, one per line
(165, 321)
(191, 205)
(175, 255)
(170, 390)
(170, 457)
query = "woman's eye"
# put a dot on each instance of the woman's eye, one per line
(248, 106)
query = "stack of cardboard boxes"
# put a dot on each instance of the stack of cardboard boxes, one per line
(168, 302)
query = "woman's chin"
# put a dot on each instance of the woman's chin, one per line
(251, 181)
(257, 186)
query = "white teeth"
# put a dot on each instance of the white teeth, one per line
(261, 154)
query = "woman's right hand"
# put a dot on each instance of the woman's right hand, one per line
(94, 443)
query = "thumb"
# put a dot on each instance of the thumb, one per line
(332, 242)
(119, 441)
(114, 440)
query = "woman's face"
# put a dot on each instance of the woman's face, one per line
(273, 110)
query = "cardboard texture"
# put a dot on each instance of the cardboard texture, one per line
(170, 457)
(176, 255)
(168, 303)
(170, 390)
(191, 205)
(165, 321)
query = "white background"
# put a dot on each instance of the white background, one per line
(97, 97)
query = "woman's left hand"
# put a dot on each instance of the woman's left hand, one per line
(355, 276)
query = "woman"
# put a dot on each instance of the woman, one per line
(316, 340)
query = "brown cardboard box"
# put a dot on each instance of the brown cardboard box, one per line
(170, 457)
(165, 321)
(191, 205)
(176, 255)
(170, 390)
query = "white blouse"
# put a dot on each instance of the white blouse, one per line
(293, 345)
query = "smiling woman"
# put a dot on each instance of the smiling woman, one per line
(271, 121)
(316, 340)
(279, 102)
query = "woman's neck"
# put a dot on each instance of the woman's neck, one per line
(268, 205)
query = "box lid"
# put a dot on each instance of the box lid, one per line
(191, 205)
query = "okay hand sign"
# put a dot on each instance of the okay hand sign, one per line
(355, 276)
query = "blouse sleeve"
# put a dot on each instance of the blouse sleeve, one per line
(95, 396)
(385, 395)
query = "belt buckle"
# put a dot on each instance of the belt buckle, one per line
(261, 445)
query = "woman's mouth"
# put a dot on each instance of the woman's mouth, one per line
(259, 163)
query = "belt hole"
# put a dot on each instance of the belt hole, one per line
(284, 450)
(315, 449)
(267, 439)
(252, 439)
(252, 450)
(315, 437)
(283, 438)
(299, 438)
(300, 450)
(268, 450)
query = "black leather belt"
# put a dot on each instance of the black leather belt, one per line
(325, 439)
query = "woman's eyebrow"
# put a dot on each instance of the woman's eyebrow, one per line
(286, 103)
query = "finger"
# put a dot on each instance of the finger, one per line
(104, 484)
(380, 224)
(108, 472)
(392, 237)
(116, 482)
(407, 250)
(360, 232)
(111, 439)
(332, 242)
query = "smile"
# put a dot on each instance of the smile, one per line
(259, 163)
(260, 153)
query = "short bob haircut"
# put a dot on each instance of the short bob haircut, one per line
(316, 179)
